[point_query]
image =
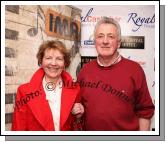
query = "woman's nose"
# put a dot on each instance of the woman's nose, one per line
(54, 62)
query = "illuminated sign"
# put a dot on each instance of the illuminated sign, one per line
(60, 26)
(132, 42)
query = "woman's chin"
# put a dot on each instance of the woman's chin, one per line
(53, 76)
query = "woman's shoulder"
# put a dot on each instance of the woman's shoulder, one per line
(24, 87)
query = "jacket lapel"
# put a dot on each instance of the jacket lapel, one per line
(67, 100)
(39, 105)
(68, 97)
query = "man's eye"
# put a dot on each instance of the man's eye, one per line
(100, 36)
(111, 37)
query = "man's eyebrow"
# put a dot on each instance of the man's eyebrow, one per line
(110, 34)
(100, 34)
(107, 34)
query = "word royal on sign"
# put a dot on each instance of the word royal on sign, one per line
(140, 21)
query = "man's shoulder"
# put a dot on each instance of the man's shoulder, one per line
(87, 68)
(89, 64)
(131, 62)
(132, 66)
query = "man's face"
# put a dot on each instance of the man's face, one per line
(106, 40)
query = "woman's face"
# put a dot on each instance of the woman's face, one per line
(53, 63)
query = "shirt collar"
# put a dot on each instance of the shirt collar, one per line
(118, 58)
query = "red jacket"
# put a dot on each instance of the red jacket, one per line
(32, 111)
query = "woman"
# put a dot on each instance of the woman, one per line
(45, 103)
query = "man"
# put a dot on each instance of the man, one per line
(113, 89)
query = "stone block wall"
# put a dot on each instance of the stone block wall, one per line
(24, 32)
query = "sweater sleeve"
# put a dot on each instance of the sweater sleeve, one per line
(144, 106)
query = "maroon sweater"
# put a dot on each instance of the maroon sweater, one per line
(114, 97)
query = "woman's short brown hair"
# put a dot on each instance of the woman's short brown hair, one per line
(53, 44)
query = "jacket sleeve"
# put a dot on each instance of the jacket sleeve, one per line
(78, 122)
(19, 122)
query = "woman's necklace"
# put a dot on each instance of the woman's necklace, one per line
(49, 86)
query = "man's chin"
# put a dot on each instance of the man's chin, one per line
(105, 55)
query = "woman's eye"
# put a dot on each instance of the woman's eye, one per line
(47, 57)
(60, 59)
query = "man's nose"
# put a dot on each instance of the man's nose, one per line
(105, 40)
